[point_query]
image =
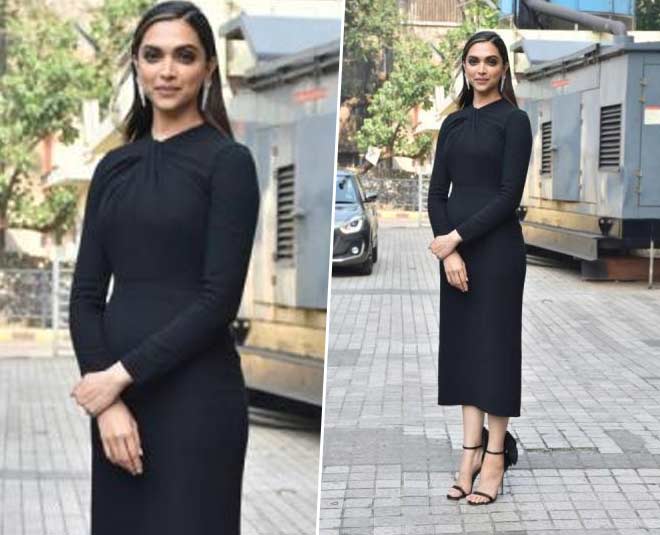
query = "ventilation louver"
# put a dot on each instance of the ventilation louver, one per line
(285, 207)
(609, 151)
(546, 148)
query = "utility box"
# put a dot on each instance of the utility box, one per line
(286, 112)
(593, 184)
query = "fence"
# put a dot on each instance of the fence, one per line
(25, 297)
(37, 298)
(409, 194)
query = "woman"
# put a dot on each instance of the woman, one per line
(483, 151)
(171, 215)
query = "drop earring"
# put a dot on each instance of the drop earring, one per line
(143, 100)
(205, 92)
(502, 83)
(140, 89)
(467, 83)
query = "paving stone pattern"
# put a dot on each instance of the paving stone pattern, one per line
(588, 435)
(45, 459)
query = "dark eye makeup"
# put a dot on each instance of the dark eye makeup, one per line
(185, 54)
(491, 60)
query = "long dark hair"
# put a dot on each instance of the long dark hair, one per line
(467, 95)
(139, 119)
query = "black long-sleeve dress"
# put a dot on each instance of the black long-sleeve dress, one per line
(484, 154)
(173, 221)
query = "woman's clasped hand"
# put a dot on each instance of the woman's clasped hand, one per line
(456, 271)
(98, 394)
(444, 247)
(120, 437)
(96, 391)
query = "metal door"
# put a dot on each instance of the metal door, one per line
(315, 162)
(566, 129)
(649, 194)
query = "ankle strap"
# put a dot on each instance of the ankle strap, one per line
(495, 452)
(472, 447)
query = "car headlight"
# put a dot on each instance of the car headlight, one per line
(353, 225)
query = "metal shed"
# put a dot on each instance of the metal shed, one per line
(593, 186)
(286, 112)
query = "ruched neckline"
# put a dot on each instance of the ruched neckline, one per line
(178, 134)
(486, 105)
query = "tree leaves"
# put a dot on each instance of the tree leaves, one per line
(48, 74)
(412, 82)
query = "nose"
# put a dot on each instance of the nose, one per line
(168, 70)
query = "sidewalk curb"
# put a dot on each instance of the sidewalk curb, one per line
(399, 214)
(29, 334)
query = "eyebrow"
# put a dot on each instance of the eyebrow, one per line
(181, 47)
(493, 56)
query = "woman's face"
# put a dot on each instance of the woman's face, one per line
(484, 67)
(171, 65)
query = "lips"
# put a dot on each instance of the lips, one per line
(166, 89)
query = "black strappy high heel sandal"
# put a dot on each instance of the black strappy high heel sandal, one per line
(484, 443)
(510, 453)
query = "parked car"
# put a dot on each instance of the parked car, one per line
(356, 224)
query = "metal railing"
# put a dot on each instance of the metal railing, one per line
(25, 296)
(38, 298)
(62, 278)
(409, 194)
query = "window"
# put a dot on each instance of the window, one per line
(345, 191)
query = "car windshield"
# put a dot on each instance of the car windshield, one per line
(345, 191)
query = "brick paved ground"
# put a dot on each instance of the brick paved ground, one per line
(589, 433)
(44, 459)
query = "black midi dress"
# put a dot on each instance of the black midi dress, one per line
(484, 154)
(173, 221)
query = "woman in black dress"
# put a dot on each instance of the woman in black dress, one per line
(483, 151)
(171, 215)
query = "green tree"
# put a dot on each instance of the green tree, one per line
(477, 14)
(40, 94)
(370, 29)
(411, 84)
(110, 30)
(647, 15)
(41, 91)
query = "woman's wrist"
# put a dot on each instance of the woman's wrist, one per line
(456, 236)
(119, 374)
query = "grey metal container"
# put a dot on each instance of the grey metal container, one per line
(593, 185)
(287, 114)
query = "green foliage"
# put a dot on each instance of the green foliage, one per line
(112, 25)
(56, 213)
(44, 82)
(370, 28)
(647, 15)
(40, 94)
(411, 84)
(478, 14)
(41, 91)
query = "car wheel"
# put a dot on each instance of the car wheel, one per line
(368, 266)
(374, 254)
